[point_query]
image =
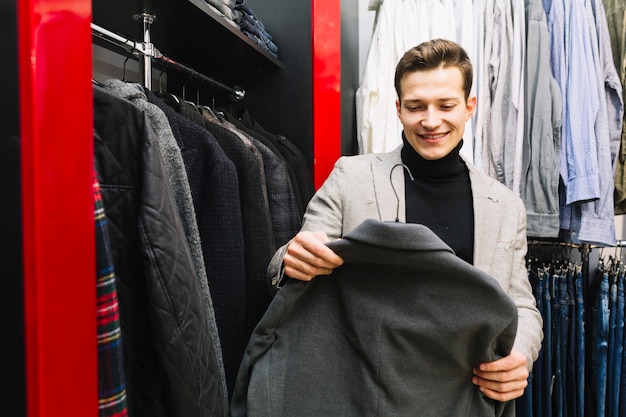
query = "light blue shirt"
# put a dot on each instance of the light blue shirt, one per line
(579, 64)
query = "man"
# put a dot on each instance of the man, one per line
(427, 181)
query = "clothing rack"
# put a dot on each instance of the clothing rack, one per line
(146, 51)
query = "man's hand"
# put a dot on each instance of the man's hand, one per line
(504, 379)
(308, 256)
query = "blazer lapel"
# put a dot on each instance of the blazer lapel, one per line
(487, 217)
(389, 186)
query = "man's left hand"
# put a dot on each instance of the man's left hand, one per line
(504, 379)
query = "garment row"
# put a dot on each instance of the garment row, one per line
(196, 204)
(548, 122)
(580, 370)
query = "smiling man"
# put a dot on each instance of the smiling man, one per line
(427, 181)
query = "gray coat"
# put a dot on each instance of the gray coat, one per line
(382, 336)
(359, 188)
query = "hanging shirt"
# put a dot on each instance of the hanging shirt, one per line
(400, 26)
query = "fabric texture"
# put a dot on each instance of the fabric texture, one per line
(286, 218)
(256, 222)
(112, 401)
(374, 338)
(297, 166)
(543, 113)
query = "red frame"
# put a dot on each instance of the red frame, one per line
(54, 54)
(56, 114)
(326, 87)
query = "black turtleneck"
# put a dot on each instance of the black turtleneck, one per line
(440, 197)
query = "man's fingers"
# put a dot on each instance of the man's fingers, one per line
(308, 256)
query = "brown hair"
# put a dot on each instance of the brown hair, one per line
(433, 54)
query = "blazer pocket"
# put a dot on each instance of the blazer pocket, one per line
(503, 262)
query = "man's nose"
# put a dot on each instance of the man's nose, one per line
(431, 118)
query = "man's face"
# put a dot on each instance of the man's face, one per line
(433, 110)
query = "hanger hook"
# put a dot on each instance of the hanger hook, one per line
(124, 67)
(198, 91)
(185, 85)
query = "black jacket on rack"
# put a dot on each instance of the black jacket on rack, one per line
(215, 190)
(170, 361)
(257, 229)
(301, 178)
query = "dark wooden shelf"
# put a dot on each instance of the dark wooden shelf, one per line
(192, 33)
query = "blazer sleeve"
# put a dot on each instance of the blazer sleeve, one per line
(324, 213)
(530, 324)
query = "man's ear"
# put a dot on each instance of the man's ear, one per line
(471, 106)
(398, 107)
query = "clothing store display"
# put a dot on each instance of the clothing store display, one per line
(283, 204)
(299, 172)
(373, 339)
(244, 206)
(215, 191)
(580, 370)
(170, 361)
(250, 24)
(615, 15)
(175, 171)
(586, 194)
(195, 205)
(255, 218)
(549, 119)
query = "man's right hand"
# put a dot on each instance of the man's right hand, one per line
(308, 256)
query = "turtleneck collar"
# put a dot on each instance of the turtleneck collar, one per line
(448, 166)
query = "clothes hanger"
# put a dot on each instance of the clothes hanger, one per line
(167, 97)
(184, 95)
(201, 107)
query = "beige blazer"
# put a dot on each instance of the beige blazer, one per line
(360, 187)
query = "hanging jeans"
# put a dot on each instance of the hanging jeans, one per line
(525, 406)
(599, 344)
(560, 308)
(546, 395)
(580, 345)
(571, 381)
(616, 347)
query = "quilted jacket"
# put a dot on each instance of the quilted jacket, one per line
(170, 360)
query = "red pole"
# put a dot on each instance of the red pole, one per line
(326, 87)
(54, 55)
